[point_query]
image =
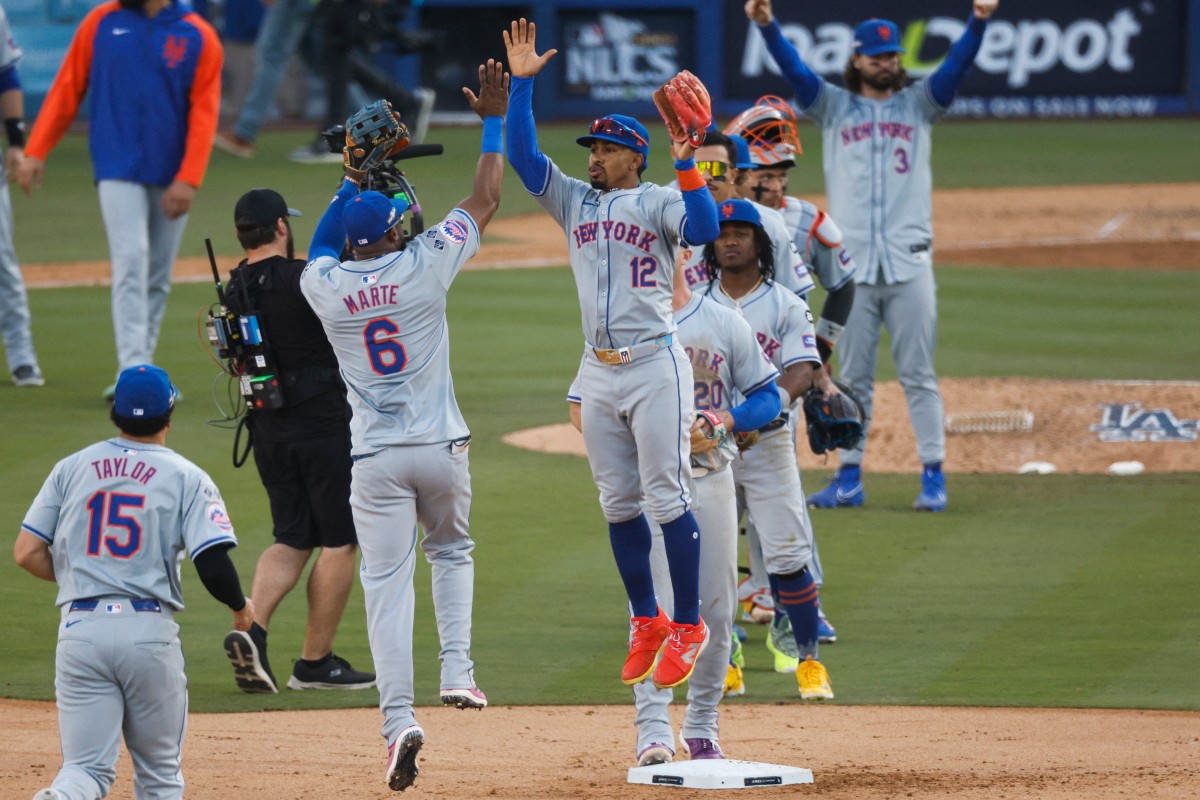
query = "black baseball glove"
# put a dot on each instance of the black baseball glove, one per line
(833, 422)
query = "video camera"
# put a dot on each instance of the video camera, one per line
(387, 178)
(239, 339)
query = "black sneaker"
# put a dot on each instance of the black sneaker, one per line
(28, 375)
(332, 673)
(247, 653)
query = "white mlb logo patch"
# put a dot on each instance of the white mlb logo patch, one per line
(113, 608)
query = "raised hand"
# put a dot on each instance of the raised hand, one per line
(523, 60)
(493, 91)
(760, 12)
(985, 8)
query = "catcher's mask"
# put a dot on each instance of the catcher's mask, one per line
(769, 128)
(622, 130)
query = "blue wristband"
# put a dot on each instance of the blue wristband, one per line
(493, 135)
(686, 165)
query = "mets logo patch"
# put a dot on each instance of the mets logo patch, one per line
(218, 517)
(454, 230)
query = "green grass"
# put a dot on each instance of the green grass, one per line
(966, 154)
(1059, 591)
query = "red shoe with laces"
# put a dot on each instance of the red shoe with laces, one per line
(647, 635)
(684, 646)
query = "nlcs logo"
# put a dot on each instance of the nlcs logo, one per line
(1129, 422)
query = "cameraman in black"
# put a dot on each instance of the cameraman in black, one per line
(302, 451)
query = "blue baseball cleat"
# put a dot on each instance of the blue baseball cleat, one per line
(845, 489)
(933, 490)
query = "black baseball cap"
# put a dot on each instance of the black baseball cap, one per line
(259, 208)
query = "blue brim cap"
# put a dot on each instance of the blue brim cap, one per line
(144, 391)
(876, 36)
(370, 215)
(739, 211)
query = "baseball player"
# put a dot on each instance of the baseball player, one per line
(384, 311)
(111, 526)
(14, 303)
(736, 383)
(622, 236)
(876, 135)
(767, 480)
(772, 143)
(151, 73)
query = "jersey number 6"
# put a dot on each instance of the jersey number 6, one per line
(98, 519)
(387, 355)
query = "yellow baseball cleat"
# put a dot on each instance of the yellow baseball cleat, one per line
(814, 680)
(735, 683)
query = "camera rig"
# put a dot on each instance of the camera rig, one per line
(387, 178)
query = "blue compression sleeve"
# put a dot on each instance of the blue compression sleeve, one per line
(805, 83)
(9, 79)
(330, 234)
(943, 83)
(759, 408)
(530, 164)
(700, 225)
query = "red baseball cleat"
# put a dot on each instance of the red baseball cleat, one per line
(647, 635)
(684, 646)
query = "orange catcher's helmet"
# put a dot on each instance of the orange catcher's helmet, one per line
(769, 127)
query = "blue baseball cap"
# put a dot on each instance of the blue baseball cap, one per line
(876, 36)
(622, 130)
(743, 151)
(739, 211)
(370, 215)
(144, 391)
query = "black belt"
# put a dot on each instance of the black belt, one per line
(138, 604)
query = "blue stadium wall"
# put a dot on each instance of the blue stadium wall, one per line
(1048, 59)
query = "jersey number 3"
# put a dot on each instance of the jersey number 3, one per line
(106, 509)
(387, 356)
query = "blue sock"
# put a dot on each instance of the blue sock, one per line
(631, 548)
(681, 537)
(798, 595)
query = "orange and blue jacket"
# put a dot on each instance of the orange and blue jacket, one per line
(155, 87)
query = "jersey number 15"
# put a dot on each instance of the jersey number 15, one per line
(105, 509)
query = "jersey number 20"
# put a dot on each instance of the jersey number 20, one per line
(105, 509)
(386, 354)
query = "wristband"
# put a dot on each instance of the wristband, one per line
(689, 177)
(493, 135)
(829, 331)
(14, 129)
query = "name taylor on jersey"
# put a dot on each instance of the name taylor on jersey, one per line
(139, 471)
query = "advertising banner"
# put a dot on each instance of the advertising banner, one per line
(1112, 57)
(624, 55)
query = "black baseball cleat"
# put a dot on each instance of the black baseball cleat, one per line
(247, 652)
(334, 672)
(402, 758)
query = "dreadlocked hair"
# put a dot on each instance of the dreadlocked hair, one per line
(766, 258)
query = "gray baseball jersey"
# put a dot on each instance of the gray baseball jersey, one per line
(386, 320)
(768, 483)
(14, 302)
(820, 242)
(118, 517)
(790, 267)
(879, 150)
(622, 247)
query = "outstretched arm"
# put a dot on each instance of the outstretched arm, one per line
(805, 83)
(330, 235)
(529, 163)
(943, 83)
(490, 105)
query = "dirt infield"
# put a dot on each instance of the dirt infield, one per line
(583, 753)
(854, 752)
